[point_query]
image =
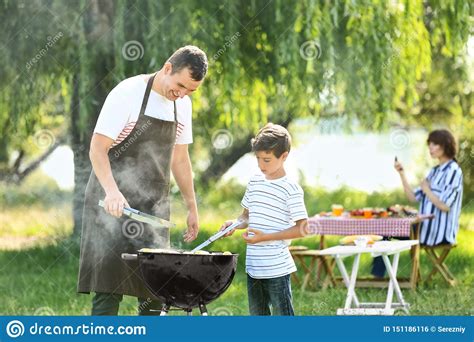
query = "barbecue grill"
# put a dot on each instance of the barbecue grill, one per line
(183, 279)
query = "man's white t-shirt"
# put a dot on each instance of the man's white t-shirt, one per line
(120, 111)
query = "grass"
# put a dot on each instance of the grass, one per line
(42, 281)
(39, 262)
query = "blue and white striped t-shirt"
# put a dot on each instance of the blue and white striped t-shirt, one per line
(273, 205)
(446, 183)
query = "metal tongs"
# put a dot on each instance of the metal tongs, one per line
(144, 217)
(217, 235)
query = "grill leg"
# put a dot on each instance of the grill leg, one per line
(189, 312)
(164, 310)
(203, 310)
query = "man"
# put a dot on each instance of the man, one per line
(142, 133)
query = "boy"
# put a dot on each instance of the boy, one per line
(274, 212)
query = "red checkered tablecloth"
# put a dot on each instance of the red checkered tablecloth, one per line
(360, 226)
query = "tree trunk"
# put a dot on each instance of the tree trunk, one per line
(221, 162)
(80, 147)
(98, 30)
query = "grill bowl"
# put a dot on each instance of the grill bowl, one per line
(186, 280)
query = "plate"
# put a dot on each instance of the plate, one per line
(349, 240)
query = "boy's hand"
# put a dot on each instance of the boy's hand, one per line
(224, 226)
(256, 237)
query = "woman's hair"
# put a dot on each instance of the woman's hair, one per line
(446, 140)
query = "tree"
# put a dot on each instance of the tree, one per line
(269, 60)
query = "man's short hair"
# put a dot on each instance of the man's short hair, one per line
(190, 57)
(273, 138)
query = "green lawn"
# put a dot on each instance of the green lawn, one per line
(42, 281)
(39, 261)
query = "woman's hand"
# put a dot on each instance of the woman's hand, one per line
(425, 185)
(398, 166)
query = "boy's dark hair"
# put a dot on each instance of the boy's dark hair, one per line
(273, 138)
(190, 57)
(445, 139)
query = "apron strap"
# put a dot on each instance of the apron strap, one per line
(147, 95)
(175, 113)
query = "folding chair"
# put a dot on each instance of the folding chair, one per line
(438, 262)
(323, 263)
(296, 248)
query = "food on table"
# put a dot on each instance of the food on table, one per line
(398, 210)
(367, 213)
(350, 239)
(362, 241)
(357, 213)
(379, 212)
(410, 211)
(395, 209)
(337, 209)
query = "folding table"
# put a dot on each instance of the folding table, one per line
(395, 227)
(382, 248)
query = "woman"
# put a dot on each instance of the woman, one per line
(440, 194)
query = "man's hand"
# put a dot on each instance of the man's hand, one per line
(114, 202)
(193, 227)
(256, 237)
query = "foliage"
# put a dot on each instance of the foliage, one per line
(360, 58)
(38, 189)
(269, 61)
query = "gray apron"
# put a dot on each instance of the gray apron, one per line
(141, 168)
